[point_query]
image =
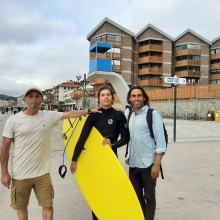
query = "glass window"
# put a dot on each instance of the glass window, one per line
(110, 37)
(194, 46)
(212, 51)
(191, 57)
(117, 38)
(178, 48)
(104, 38)
(117, 50)
(99, 39)
(116, 62)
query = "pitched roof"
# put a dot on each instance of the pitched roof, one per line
(156, 29)
(67, 84)
(216, 39)
(111, 22)
(194, 33)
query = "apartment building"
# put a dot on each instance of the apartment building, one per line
(154, 55)
(191, 57)
(150, 55)
(123, 49)
(60, 90)
(214, 76)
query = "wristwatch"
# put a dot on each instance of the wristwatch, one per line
(89, 111)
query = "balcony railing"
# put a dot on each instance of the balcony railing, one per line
(188, 52)
(188, 73)
(150, 59)
(150, 82)
(150, 47)
(188, 63)
(152, 71)
(214, 76)
(215, 56)
(116, 68)
(215, 66)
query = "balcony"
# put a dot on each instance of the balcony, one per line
(214, 76)
(114, 43)
(150, 71)
(99, 80)
(187, 52)
(215, 56)
(108, 55)
(150, 47)
(150, 82)
(188, 73)
(116, 68)
(215, 66)
(150, 59)
(187, 63)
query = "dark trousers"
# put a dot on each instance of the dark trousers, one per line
(94, 216)
(144, 187)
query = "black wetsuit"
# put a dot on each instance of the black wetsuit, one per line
(110, 123)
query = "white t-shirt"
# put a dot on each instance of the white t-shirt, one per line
(32, 136)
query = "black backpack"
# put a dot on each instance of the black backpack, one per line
(149, 118)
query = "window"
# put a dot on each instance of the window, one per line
(116, 62)
(110, 37)
(188, 46)
(192, 57)
(117, 38)
(116, 50)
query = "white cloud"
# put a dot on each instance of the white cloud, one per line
(44, 41)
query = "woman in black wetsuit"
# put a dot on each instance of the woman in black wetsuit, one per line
(110, 123)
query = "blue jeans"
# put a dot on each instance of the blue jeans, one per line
(144, 187)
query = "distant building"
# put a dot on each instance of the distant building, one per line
(150, 55)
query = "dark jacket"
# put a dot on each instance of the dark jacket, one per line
(110, 123)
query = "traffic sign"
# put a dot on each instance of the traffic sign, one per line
(175, 80)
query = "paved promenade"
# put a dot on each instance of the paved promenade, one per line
(190, 190)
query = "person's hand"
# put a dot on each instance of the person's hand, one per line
(73, 167)
(95, 110)
(6, 180)
(155, 171)
(107, 141)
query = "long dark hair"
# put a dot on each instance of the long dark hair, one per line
(146, 97)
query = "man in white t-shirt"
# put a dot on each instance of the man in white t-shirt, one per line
(30, 132)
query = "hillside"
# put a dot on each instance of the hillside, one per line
(3, 97)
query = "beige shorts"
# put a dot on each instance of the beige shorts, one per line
(21, 190)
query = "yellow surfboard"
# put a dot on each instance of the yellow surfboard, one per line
(101, 177)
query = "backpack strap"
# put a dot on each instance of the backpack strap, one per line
(150, 126)
(150, 122)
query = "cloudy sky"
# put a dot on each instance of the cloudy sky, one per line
(43, 42)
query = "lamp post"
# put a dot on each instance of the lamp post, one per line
(83, 83)
(174, 110)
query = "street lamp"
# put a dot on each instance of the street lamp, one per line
(83, 83)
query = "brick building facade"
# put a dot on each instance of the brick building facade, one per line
(147, 57)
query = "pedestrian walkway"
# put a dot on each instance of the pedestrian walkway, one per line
(190, 190)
